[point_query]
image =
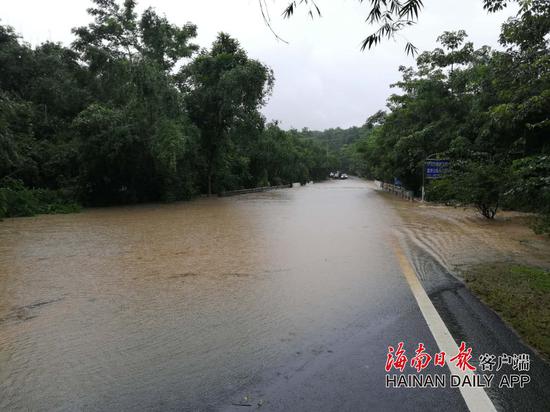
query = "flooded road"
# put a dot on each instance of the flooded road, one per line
(193, 305)
(179, 305)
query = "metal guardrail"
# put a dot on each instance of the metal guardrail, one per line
(398, 191)
(253, 190)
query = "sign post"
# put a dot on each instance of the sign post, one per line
(433, 169)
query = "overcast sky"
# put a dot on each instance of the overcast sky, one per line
(322, 79)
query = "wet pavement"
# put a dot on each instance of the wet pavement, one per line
(282, 300)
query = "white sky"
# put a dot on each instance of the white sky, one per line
(322, 78)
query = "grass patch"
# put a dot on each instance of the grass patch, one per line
(520, 295)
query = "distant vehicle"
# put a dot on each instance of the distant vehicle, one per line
(343, 176)
(331, 175)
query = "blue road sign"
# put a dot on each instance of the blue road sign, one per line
(436, 168)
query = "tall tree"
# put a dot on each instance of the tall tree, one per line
(222, 86)
(134, 138)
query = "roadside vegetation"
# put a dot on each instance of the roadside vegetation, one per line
(520, 295)
(133, 111)
(485, 110)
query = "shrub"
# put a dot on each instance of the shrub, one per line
(18, 200)
(440, 191)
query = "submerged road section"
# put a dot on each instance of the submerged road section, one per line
(283, 300)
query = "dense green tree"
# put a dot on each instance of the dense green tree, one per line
(223, 87)
(530, 188)
(134, 138)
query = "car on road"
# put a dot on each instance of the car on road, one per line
(343, 176)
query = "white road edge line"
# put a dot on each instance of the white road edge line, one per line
(476, 399)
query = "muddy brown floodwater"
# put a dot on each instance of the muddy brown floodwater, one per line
(456, 237)
(179, 305)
